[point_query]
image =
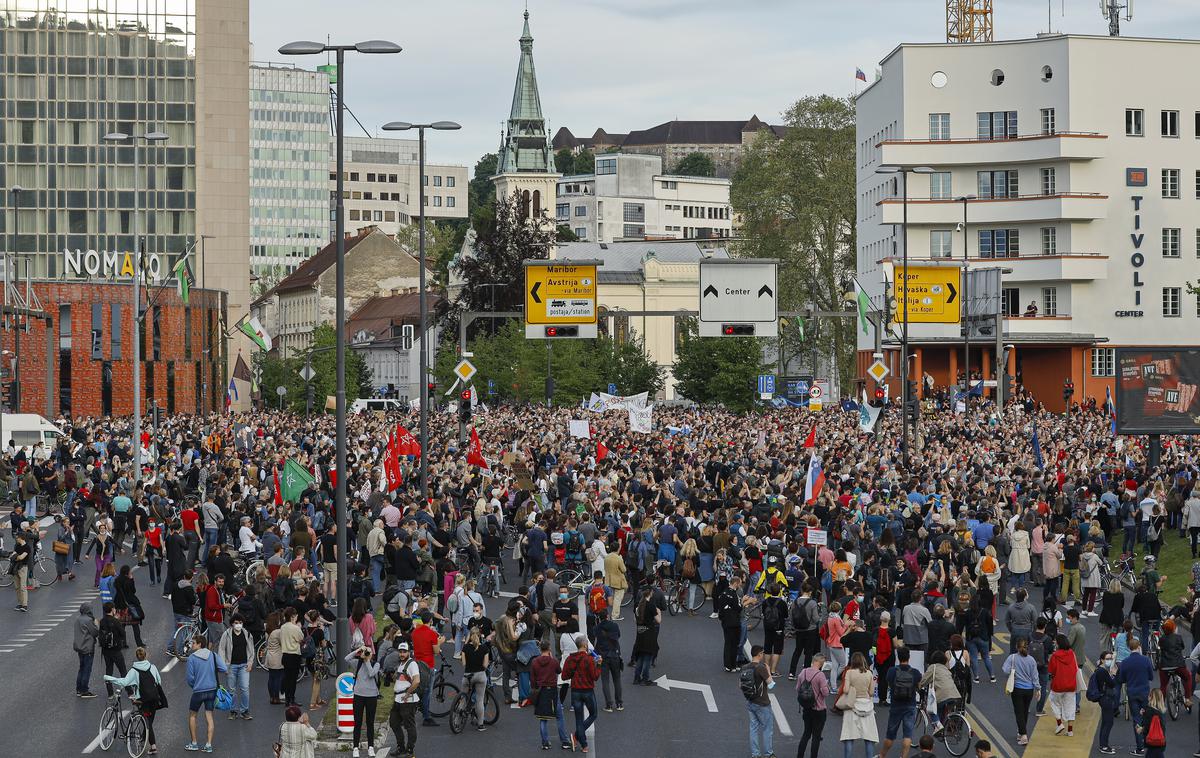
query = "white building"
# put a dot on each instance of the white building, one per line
(289, 156)
(1084, 156)
(629, 197)
(381, 188)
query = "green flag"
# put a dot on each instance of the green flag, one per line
(864, 305)
(253, 329)
(293, 480)
(183, 279)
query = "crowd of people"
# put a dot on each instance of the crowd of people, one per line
(880, 584)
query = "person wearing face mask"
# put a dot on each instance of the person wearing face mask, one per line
(1103, 690)
(154, 550)
(479, 621)
(565, 616)
(237, 647)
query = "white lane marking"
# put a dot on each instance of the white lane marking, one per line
(100, 735)
(780, 720)
(169, 665)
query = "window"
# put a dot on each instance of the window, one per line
(425, 180)
(670, 185)
(580, 210)
(939, 186)
(1048, 126)
(939, 126)
(1049, 301)
(437, 181)
(1010, 301)
(1171, 297)
(97, 331)
(187, 332)
(1048, 181)
(999, 243)
(562, 211)
(633, 231)
(354, 214)
(378, 215)
(1104, 361)
(1133, 122)
(354, 176)
(634, 213)
(1170, 243)
(370, 177)
(996, 124)
(449, 181)
(998, 184)
(1047, 73)
(114, 331)
(437, 201)
(1049, 240)
(1170, 183)
(606, 166)
(941, 243)
(581, 232)
(997, 77)
(1170, 123)
(156, 332)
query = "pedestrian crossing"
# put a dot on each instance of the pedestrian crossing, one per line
(46, 623)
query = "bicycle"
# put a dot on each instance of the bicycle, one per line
(490, 581)
(1176, 699)
(181, 640)
(442, 691)
(511, 536)
(42, 573)
(118, 724)
(462, 710)
(1152, 642)
(956, 730)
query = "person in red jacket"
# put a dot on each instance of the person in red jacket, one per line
(543, 675)
(1064, 675)
(215, 604)
(581, 671)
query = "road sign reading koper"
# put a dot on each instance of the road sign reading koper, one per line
(932, 294)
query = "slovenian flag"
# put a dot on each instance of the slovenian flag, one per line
(859, 75)
(815, 479)
(1111, 409)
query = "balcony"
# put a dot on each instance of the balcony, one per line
(1032, 148)
(1037, 326)
(1066, 206)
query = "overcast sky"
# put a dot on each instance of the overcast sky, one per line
(631, 64)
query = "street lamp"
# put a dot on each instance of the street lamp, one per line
(966, 304)
(10, 273)
(134, 321)
(402, 126)
(904, 171)
(339, 489)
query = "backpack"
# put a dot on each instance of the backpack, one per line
(633, 553)
(748, 682)
(770, 614)
(1152, 534)
(318, 521)
(597, 600)
(689, 568)
(1154, 733)
(107, 637)
(575, 542)
(904, 684)
(1037, 650)
(426, 677)
(308, 648)
(452, 603)
(1094, 692)
(804, 692)
(1085, 567)
(805, 615)
(148, 690)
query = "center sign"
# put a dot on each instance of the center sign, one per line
(560, 293)
(738, 297)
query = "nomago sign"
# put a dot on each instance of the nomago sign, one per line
(932, 294)
(560, 293)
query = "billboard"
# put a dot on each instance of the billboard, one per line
(1157, 390)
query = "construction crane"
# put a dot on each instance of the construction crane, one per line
(968, 20)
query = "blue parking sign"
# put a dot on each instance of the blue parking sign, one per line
(612, 388)
(766, 384)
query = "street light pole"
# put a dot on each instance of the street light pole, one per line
(966, 303)
(400, 126)
(339, 489)
(11, 274)
(135, 321)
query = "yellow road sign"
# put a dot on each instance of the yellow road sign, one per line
(560, 293)
(933, 294)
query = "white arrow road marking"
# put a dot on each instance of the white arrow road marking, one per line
(100, 735)
(703, 689)
(780, 720)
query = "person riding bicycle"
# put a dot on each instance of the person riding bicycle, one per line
(942, 680)
(1171, 660)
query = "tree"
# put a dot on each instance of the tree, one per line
(440, 246)
(796, 200)
(563, 233)
(481, 192)
(585, 163)
(516, 366)
(286, 373)
(717, 369)
(695, 164)
(564, 161)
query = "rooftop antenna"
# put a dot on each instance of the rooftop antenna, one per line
(1111, 10)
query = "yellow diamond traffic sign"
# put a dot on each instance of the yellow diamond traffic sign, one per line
(464, 370)
(877, 371)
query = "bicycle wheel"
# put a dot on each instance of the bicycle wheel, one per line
(108, 727)
(693, 596)
(920, 723)
(6, 579)
(673, 603)
(628, 598)
(44, 573)
(753, 616)
(252, 571)
(491, 708)
(181, 641)
(1175, 699)
(957, 734)
(460, 713)
(260, 654)
(136, 738)
(441, 699)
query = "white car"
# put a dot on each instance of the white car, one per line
(376, 405)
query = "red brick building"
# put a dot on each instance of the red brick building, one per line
(90, 372)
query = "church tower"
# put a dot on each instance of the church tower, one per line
(526, 161)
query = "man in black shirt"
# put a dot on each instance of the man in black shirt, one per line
(327, 553)
(565, 615)
(22, 558)
(479, 621)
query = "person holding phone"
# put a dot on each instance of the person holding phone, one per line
(366, 696)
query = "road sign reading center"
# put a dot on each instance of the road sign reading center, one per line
(738, 292)
(932, 294)
(560, 293)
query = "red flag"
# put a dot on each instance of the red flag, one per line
(333, 477)
(407, 444)
(391, 463)
(475, 451)
(601, 451)
(811, 441)
(278, 491)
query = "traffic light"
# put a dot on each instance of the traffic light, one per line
(879, 397)
(1068, 390)
(562, 331)
(464, 406)
(912, 407)
(737, 330)
(432, 387)
(1007, 384)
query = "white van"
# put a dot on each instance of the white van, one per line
(376, 405)
(28, 429)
